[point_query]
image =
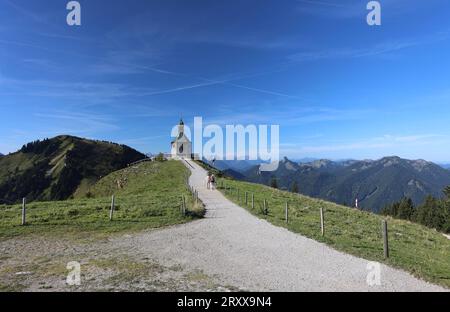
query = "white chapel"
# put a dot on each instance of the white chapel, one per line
(181, 146)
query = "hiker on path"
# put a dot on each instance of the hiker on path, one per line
(208, 181)
(213, 182)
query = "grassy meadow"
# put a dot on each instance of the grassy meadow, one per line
(147, 195)
(414, 248)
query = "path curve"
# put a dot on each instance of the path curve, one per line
(251, 254)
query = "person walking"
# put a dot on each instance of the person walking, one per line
(208, 181)
(213, 182)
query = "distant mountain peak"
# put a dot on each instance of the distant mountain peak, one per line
(322, 163)
(417, 164)
(391, 158)
(421, 164)
(288, 164)
(374, 182)
(390, 161)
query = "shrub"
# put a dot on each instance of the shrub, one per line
(73, 212)
(160, 157)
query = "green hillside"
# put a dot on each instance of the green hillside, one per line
(58, 168)
(147, 195)
(423, 252)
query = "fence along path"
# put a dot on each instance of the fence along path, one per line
(250, 253)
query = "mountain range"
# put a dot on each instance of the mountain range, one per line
(243, 165)
(375, 183)
(59, 168)
(233, 165)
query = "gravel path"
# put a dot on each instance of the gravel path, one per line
(251, 254)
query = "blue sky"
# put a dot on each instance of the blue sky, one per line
(337, 87)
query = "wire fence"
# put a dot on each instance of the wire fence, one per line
(131, 208)
(362, 233)
(283, 209)
(172, 204)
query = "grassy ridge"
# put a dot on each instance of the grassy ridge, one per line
(423, 252)
(58, 168)
(148, 196)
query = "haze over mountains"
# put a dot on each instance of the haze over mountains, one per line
(244, 165)
(375, 183)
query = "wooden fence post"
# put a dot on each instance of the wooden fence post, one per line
(253, 201)
(384, 229)
(24, 211)
(287, 212)
(184, 206)
(111, 212)
(322, 222)
(246, 198)
(264, 207)
(238, 196)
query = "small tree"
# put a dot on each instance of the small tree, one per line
(386, 210)
(274, 183)
(406, 209)
(391, 209)
(446, 212)
(294, 188)
(447, 192)
(160, 157)
(426, 213)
